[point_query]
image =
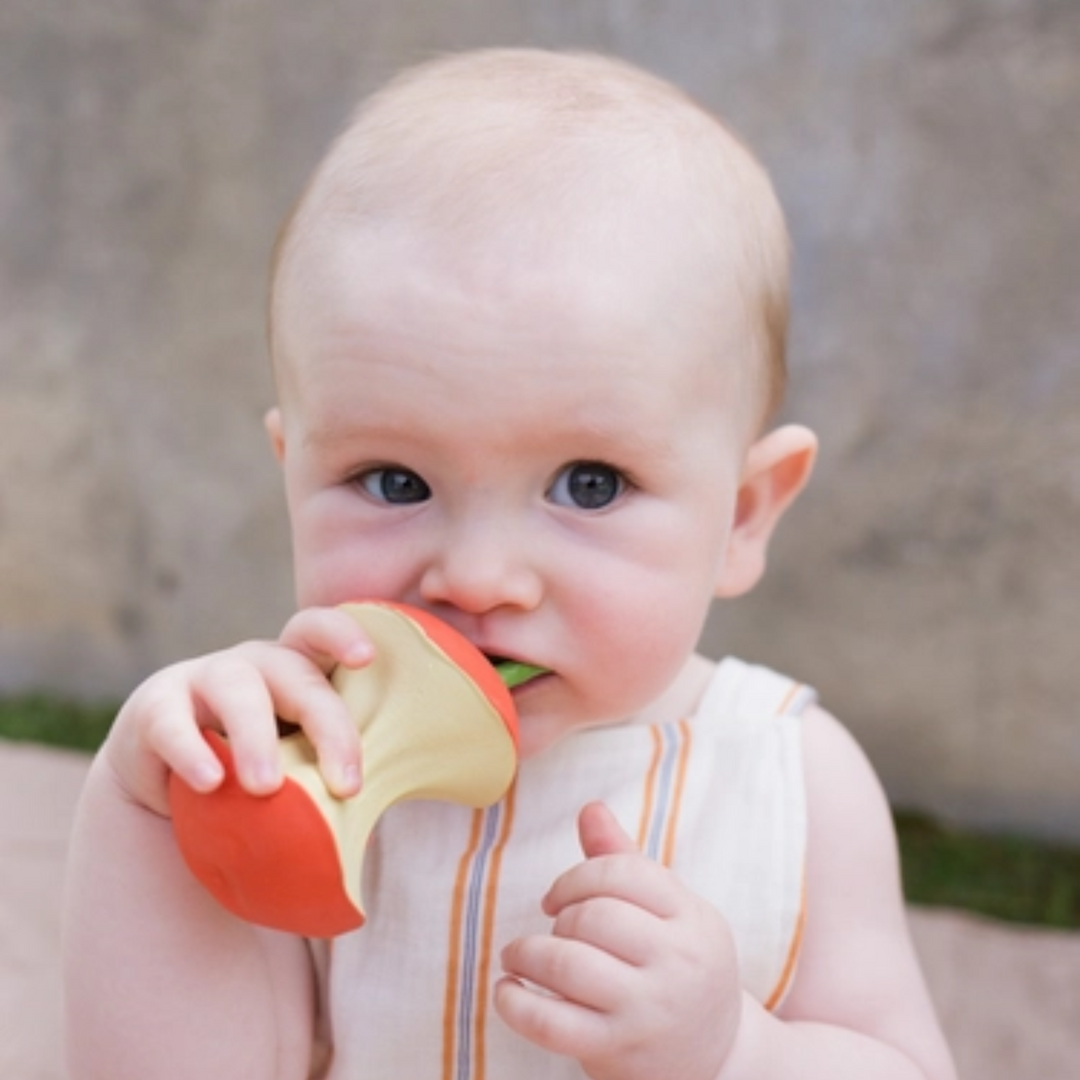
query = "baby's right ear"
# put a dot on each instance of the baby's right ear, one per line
(275, 428)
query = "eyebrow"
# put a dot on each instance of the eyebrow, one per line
(602, 434)
(346, 427)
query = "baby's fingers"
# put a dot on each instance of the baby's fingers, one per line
(562, 997)
(328, 637)
(632, 879)
(175, 738)
(572, 970)
(235, 697)
(304, 696)
(155, 733)
(557, 1024)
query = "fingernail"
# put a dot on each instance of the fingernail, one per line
(207, 775)
(263, 777)
(357, 654)
(350, 777)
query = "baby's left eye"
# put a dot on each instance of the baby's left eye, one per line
(587, 485)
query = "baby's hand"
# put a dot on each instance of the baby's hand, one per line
(638, 979)
(243, 691)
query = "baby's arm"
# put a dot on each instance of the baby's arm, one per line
(639, 978)
(160, 981)
(859, 1006)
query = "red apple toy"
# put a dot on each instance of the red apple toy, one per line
(436, 721)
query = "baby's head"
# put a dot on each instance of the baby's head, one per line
(527, 323)
(502, 166)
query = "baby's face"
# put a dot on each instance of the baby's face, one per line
(548, 458)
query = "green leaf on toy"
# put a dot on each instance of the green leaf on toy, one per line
(515, 673)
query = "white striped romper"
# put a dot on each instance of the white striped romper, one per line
(718, 797)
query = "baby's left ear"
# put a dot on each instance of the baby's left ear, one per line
(776, 470)
(275, 429)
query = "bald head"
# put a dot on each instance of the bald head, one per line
(531, 154)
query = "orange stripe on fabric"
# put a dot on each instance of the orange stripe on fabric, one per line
(788, 970)
(650, 788)
(789, 697)
(453, 963)
(491, 892)
(794, 949)
(672, 825)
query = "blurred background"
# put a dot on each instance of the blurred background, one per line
(928, 584)
(927, 154)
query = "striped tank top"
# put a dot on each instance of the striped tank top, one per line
(718, 797)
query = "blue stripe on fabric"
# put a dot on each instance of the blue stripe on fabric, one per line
(470, 953)
(669, 735)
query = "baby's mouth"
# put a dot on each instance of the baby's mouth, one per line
(515, 673)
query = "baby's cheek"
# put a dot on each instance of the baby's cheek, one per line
(328, 574)
(648, 653)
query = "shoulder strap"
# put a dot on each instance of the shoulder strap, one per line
(749, 692)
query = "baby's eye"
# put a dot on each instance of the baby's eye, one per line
(587, 485)
(395, 485)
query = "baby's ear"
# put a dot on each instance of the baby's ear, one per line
(275, 428)
(776, 470)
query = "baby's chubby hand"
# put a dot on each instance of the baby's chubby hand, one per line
(243, 691)
(638, 978)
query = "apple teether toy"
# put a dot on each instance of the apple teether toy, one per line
(436, 722)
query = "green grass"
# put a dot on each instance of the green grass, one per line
(40, 718)
(1009, 878)
(1013, 878)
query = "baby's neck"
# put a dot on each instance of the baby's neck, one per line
(682, 696)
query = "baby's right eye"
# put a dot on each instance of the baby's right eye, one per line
(394, 485)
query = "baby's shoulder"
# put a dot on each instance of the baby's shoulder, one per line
(829, 748)
(844, 795)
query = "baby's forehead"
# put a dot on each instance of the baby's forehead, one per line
(512, 154)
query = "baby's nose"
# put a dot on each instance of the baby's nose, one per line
(480, 569)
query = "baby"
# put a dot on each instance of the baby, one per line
(527, 327)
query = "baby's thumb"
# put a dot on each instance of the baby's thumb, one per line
(601, 834)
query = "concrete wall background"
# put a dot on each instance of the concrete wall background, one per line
(928, 156)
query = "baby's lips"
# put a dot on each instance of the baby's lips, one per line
(271, 860)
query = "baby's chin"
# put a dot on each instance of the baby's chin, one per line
(537, 734)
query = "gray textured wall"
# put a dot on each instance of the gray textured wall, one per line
(928, 154)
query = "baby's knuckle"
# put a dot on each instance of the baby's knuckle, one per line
(517, 953)
(313, 621)
(561, 964)
(221, 670)
(586, 919)
(544, 1024)
(250, 651)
